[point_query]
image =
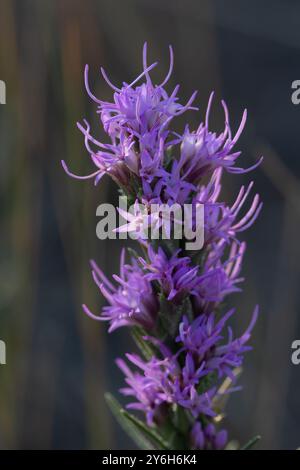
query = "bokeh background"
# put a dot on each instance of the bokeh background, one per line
(59, 362)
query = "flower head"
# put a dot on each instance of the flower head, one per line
(175, 275)
(203, 151)
(202, 338)
(132, 302)
(207, 438)
(140, 108)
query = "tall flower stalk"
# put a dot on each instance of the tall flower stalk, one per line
(172, 299)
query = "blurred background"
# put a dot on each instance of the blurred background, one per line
(59, 362)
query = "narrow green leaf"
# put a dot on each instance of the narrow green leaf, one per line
(251, 443)
(137, 333)
(150, 433)
(180, 419)
(119, 413)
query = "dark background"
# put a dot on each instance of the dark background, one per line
(59, 362)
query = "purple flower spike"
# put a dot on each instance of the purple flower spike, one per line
(172, 297)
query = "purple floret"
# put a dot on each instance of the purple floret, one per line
(132, 301)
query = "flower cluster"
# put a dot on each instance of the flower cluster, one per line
(179, 378)
(169, 296)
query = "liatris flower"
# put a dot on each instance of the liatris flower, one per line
(172, 383)
(177, 378)
(207, 437)
(132, 303)
(220, 220)
(203, 151)
(171, 298)
(176, 276)
(202, 339)
(146, 391)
